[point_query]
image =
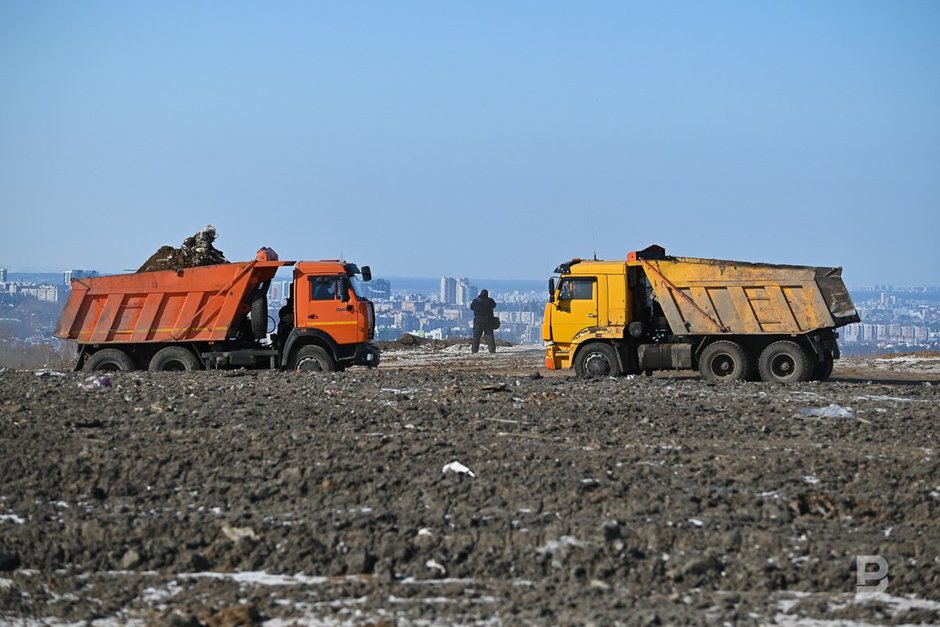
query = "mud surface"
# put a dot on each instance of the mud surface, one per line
(256, 497)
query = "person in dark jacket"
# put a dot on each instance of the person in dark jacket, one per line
(484, 321)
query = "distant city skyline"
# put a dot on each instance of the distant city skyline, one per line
(431, 285)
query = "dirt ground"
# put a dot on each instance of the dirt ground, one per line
(284, 498)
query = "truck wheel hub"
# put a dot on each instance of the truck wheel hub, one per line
(596, 365)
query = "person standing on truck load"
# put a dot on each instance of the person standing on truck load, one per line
(484, 321)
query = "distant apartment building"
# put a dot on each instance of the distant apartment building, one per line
(3, 275)
(464, 292)
(380, 289)
(48, 293)
(68, 275)
(448, 290)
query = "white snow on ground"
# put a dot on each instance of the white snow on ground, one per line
(306, 613)
(458, 353)
(906, 363)
(889, 605)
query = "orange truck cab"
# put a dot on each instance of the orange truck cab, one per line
(332, 318)
(216, 316)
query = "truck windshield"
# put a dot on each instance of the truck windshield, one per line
(356, 286)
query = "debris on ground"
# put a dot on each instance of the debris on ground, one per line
(196, 250)
(830, 411)
(45, 372)
(457, 467)
(97, 383)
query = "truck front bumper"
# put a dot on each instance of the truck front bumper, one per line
(557, 358)
(367, 354)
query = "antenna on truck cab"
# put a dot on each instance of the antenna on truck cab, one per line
(593, 238)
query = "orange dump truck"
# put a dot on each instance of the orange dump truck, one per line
(217, 317)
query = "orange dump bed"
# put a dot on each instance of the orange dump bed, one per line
(194, 304)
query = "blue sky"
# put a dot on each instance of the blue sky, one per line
(485, 139)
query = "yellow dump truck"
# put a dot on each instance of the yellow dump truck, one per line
(731, 320)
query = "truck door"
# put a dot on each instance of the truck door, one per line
(575, 309)
(329, 308)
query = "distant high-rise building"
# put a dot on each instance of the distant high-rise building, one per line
(380, 289)
(448, 290)
(68, 275)
(3, 275)
(463, 292)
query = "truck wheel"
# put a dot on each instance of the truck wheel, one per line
(109, 360)
(784, 362)
(596, 360)
(259, 315)
(174, 359)
(724, 361)
(313, 359)
(822, 370)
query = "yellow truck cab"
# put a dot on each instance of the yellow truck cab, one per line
(731, 320)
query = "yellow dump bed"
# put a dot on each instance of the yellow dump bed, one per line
(713, 296)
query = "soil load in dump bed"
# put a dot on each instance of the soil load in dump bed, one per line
(196, 250)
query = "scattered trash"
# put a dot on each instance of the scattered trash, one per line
(424, 531)
(553, 546)
(888, 531)
(97, 383)
(696, 522)
(236, 534)
(811, 479)
(433, 565)
(830, 411)
(457, 467)
(495, 387)
(45, 372)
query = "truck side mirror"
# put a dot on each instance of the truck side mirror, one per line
(344, 291)
(366, 273)
(551, 289)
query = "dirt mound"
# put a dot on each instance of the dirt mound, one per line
(407, 340)
(919, 354)
(196, 250)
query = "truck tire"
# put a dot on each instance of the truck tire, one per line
(724, 361)
(174, 359)
(313, 359)
(596, 360)
(259, 315)
(822, 370)
(785, 362)
(109, 360)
